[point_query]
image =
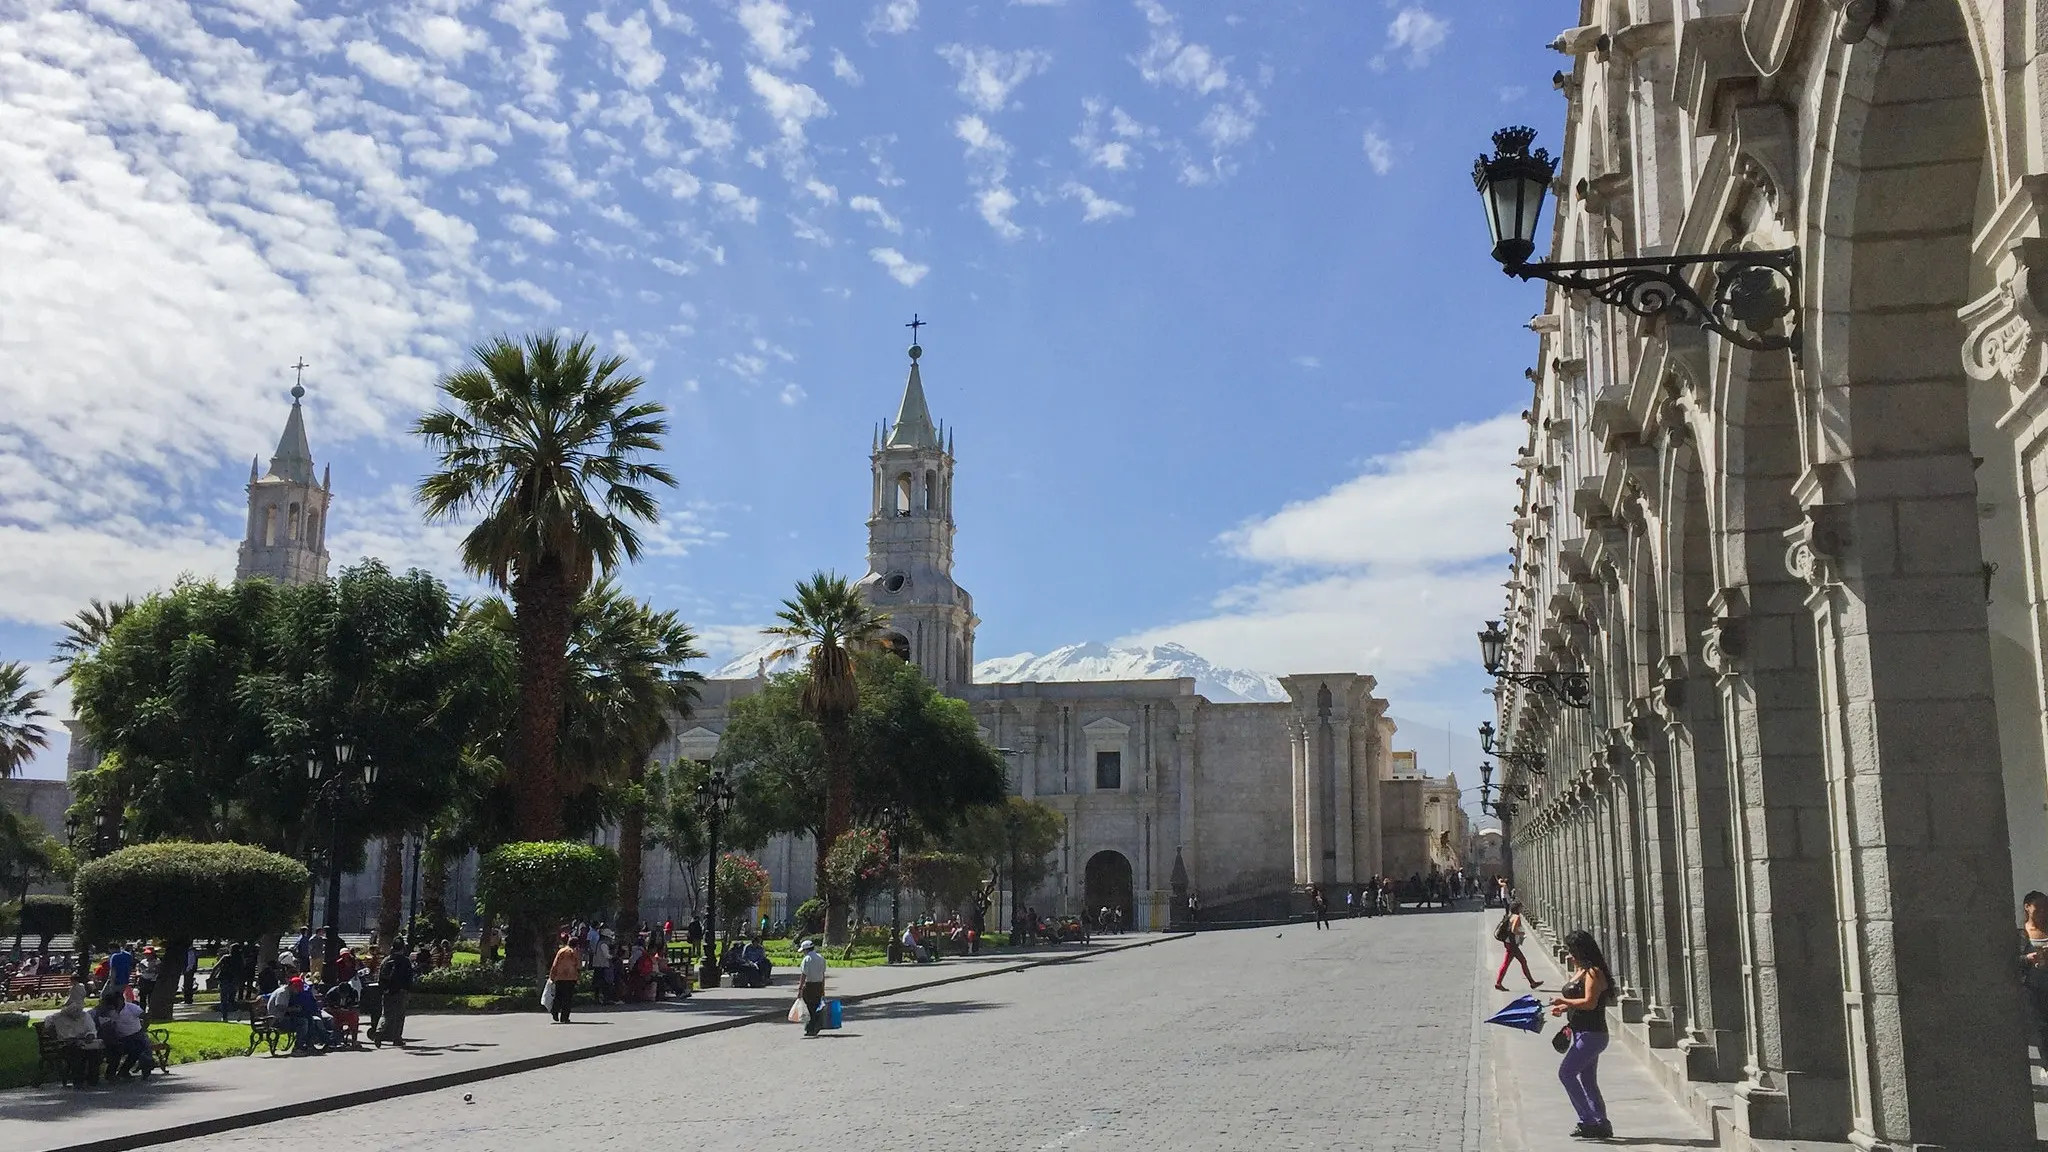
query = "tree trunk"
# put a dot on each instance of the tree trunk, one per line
(433, 885)
(163, 998)
(632, 868)
(391, 890)
(543, 601)
(838, 739)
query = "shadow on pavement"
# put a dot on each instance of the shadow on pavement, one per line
(914, 1009)
(59, 1103)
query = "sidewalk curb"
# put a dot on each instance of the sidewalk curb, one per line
(394, 1091)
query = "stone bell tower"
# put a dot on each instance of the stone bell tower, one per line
(286, 538)
(910, 543)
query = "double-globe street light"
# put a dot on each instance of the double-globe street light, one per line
(331, 779)
(715, 798)
(894, 818)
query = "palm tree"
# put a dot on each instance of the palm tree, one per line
(85, 632)
(626, 682)
(830, 619)
(545, 441)
(20, 710)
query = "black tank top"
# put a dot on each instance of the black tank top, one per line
(1592, 1019)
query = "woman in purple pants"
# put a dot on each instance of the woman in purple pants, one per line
(1583, 1003)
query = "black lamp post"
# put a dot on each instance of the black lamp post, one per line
(893, 818)
(1572, 689)
(1752, 291)
(412, 904)
(1530, 760)
(107, 836)
(332, 783)
(714, 799)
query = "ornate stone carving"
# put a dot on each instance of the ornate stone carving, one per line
(1857, 18)
(1766, 157)
(2005, 326)
(1667, 691)
(1816, 547)
(1724, 642)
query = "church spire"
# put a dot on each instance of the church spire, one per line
(913, 427)
(294, 458)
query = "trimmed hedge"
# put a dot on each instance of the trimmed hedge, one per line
(178, 890)
(474, 980)
(46, 916)
(542, 883)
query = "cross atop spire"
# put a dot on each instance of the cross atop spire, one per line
(299, 388)
(914, 325)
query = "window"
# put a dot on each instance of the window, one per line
(931, 491)
(291, 523)
(903, 494)
(1109, 771)
(270, 526)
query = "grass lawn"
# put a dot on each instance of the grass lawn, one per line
(191, 1040)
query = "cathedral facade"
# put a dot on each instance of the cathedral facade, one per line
(1166, 794)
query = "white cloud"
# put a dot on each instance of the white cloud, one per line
(1418, 34)
(820, 191)
(385, 66)
(1384, 573)
(1114, 154)
(790, 104)
(1379, 151)
(904, 270)
(1311, 363)
(1228, 125)
(894, 18)
(979, 137)
(634, 58)
(873, 207)
(537, 24)
(538, 231)
(791, 395)
(672, 267)
(1171, 61)
(995, 204)
(774, 33)
(445, 37)
(1094, 207)
(676, 182)
(843, 68)
(736, 202)
(987, 76)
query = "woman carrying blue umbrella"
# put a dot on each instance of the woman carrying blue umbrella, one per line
(1583, 1003)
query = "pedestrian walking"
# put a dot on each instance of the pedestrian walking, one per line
(1511, 932)
(394, 982)
(2034, 965)
(1583, 1004)
(563, 973)
(1320, 905)
(812, 974)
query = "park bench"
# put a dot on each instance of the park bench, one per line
(160, 1047)
(37, 987)
(277, 1036)
(49, 1056)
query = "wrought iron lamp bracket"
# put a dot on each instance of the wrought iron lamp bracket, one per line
(1571, 689)
(1752, 292)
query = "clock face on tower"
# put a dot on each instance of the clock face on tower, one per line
(894, 582)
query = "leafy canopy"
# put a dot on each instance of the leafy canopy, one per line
(546, 882)
(180, 890)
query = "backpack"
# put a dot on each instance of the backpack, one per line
(1505, 930)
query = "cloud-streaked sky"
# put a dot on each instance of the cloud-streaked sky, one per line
(1210, 309)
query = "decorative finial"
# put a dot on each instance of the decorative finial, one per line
(299, 388)
(916, 349)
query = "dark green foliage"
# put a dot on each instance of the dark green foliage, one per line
(472, 980)
(47, 916)
(545, 882)
(180, 891)
(810, 917)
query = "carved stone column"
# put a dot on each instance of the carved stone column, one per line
(1664, 1014)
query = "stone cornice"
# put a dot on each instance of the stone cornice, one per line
(1713, 65)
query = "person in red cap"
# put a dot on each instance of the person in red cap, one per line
(146, 974)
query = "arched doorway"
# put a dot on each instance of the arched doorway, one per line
(1107, 884)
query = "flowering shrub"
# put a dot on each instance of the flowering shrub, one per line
(742, 881)
(858, 864)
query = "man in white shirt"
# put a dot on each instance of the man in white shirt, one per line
(812, 973)
(122, 1023)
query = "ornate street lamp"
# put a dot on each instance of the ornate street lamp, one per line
(1752, 291)
(1528, 760)
(715, 798)
(894, 817)
(333, 783)
(1572, 689)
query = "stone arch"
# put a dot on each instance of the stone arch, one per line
(1106, 883)
(1891, 554)
(903, 494)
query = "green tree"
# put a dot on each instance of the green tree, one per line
(626, 681)
(827, 621)
(179, 891)
(85, 632)
(1015, 837)
(21, 714)
(741, 884)
(857, 867)
(545, 442)
(674, 822)
(538, 885)
(946, 880)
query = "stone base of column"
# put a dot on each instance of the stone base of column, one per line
(1793, 1106)
(1659, 1028)
(1702, 1051)
(1631, 1006)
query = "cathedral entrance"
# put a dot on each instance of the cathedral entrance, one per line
(1107, 884)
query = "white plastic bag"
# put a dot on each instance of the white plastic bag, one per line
(547, 995)
(799, 1012)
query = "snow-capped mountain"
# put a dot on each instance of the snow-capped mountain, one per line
(1073, 662)
(1160, 662)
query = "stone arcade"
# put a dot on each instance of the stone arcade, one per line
(1165, 792)
(1808, 586)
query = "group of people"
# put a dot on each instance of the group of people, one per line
(633, 970)
(111, 1038)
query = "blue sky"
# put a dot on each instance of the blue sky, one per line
(1210, 308)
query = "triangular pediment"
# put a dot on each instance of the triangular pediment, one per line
(1106, 727)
